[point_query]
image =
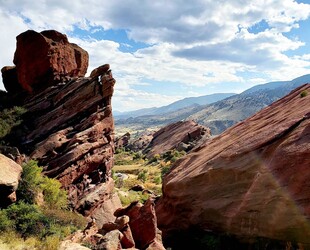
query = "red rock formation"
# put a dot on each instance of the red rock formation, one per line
(181, 135)
(69, 126)
(250, 181)
(43, 59)
(141, 143)
(122, 141)
(10, 173)
(143, 224)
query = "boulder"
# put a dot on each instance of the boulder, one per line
(171, 136)
(251, 181)
(143, 223)
(110, 241)
(10, 173)
(122, 141)
(68, 245)
(10, 80)
(43, 59)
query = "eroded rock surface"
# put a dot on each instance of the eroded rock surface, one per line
(182, 135)
(68, 127)
(143, 224)
(250, 181)
(43, 59)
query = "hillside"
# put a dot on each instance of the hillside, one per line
(186, 102)
(220, 115)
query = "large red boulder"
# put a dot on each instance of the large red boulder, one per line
(250, 181)
(44, 58)
(143, 224)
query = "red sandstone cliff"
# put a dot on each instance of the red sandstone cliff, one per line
(68, 126)
(251, 181)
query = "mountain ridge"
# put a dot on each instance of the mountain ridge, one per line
(222, 114)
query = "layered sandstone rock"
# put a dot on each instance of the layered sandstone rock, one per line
(182, 135)
(10, 173)
(43, 59)
(68, 127)
(251, 181)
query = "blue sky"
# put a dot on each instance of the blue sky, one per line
(161, 51)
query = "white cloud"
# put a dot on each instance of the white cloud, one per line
(193, 43)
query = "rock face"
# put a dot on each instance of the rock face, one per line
(122, 141)
(141, 143)
(68, 127)
(250, 181)
(183, 135)
(143, 224)
(10, 173)
(43, 59)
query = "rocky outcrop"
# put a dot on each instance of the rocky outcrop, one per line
(10, 173)
(135, 227)
(182, 135)
(122, 141)
(143, 224)
(141, 143)
(43, 59)
(250, 181)
(68, 127)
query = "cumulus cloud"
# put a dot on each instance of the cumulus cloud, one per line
(193, 43)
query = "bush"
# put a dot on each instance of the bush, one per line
(33, 183)
(164, 171)
(304, 93)
(143, 175)
(26, 219)
(133, 196)
(157, 180)
(5, 222)
(10, 118)
(54, 196)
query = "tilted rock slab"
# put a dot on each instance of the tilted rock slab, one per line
(69, 129)
(171, 136)
(252, 180)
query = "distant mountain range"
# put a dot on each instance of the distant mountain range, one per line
(186, 102)
(218, 115)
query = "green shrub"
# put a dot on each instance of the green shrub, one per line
(137, 156)
(5, 222)
(31, 179)
(54, 196)
(33, 182)
(304, 93)
(164, 171)
(157, 180)
(27, 219)
(10, 118)
(133, 196)
(143, 175)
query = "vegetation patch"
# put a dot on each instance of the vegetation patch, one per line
(133, 169)
(40, 219)
(10, 118)
(304, 93)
